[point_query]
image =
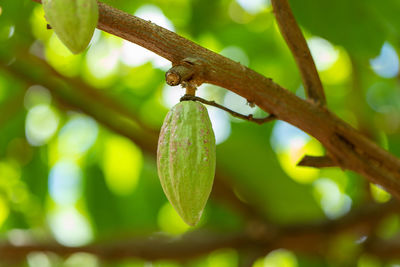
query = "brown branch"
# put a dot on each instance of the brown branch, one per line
(310, 240)
(345, 145)
(233, 113)
(178, 74)
(316, 162)
(188, 247)
(298, 45)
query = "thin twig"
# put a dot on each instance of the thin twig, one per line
(297, 44)
(316, 162)
(233, 113)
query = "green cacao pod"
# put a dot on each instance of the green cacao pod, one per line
(73, 21)
(186, 158)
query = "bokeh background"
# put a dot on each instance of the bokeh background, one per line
(78, 132)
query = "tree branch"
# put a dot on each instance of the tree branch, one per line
(190, 246)
(310, 240)
(345, 144)
(298, 45)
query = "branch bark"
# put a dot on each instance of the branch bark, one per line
(298, 45)
(310, 240)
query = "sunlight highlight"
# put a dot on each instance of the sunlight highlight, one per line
(278, 258)
(134, 55)
(253, 6)
(103, 58)
(122, 165)
(323, 53)
(4, 210)
(171, 96)
(81, 259)
(284, 134)
(339, 72)
(386, 64)
(236, 54)
(38, 259)
(58, 55)
(291, 144)
(65, 185)
(333, 201)
(379, 194)
(38, 24)
(41, 124)
(223, 258)
(239, 104)
(220, 123)
(155, 15)
(170, 222)
(290, 157)
(77, 136)
(70, 228)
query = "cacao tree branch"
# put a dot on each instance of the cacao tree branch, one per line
(152, 249)
(298, 45)
(347, 146)
(310, 240)
(233, 113)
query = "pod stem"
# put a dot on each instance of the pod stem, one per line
(190, 89)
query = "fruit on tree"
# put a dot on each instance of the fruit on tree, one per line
(73, 21)
(186, 158)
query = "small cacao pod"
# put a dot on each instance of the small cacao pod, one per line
(186, 158)
(73, 21)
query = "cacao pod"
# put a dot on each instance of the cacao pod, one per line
(73, 21)
(186, 158)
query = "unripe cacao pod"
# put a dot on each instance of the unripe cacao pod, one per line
(186, 158)
(73, 21)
